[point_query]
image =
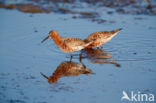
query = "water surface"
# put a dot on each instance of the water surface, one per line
(128, 60)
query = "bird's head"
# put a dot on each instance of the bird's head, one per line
(51, 34)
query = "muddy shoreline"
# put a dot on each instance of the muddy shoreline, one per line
(130, 7)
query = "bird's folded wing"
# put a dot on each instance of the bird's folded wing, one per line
(100, 34)
(73, 42)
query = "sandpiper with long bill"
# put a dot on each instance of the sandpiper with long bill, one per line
(67, 44)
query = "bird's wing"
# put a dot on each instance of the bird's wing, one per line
(73, 42)
(98, 35)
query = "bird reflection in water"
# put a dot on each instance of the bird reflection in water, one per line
(68, 68)
(99, 56)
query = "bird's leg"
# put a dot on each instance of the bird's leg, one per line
(97, 48)
(80, 59)
(71, 56)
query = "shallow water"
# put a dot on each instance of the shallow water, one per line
(23, 57)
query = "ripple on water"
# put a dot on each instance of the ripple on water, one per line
(139, 48)
(54, 49)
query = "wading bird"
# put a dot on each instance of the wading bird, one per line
(101, 37)
(67, 44)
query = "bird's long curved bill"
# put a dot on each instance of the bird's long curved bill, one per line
(44, 39)
(43, 75)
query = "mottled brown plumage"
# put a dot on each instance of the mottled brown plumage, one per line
(67, 44)
(101, 37)
(67, 68)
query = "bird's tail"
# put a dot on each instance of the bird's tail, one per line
(114, 32)
(117, 30)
